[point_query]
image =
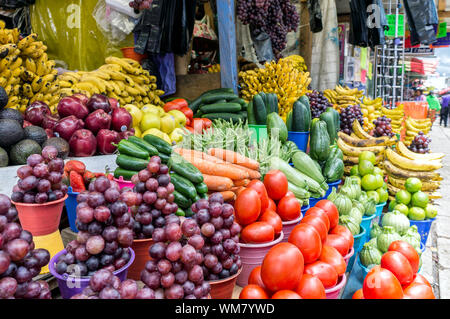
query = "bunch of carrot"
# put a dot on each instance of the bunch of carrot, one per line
(223, 171)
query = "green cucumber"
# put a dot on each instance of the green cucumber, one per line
(219, 90)
(161, 145)
(235, 118)
(181, 200)
(183, 186)
(126, 174)
(213, 97)
(194, 105)
(260, 110)
(201, 188)
(273, 103)
(241, 102)
(188, 212)
(131, 163)
(300, 118)
(221, 108)
(127, 148)
(251, 113)
(183, 168)
(144, 145)
(164, 158)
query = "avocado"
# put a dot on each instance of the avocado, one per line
(3, 98)
(35, 133)
(4, 159)
(61, 145)
(20, 152)
(12, 114)
(11, 132)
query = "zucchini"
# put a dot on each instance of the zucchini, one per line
(183, 186)
(260, 110)
(181, 200)
(304, 163)
(273, 103)
(161, 145)
(299, 192)
(126, 174)
(251, 113)
(233, 117)
(319, 143)
(291, 173)
(221, 108)
(144, 145)
(213, 97)
(201, 188)
(131, 163)
(183, 168)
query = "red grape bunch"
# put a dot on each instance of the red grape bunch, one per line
(318, 103)
(140, 4)
(221, 235)
(348, 115)
(104, 285)
(420, 144)
(105, 230)
(153, 187)
(40, 181)
(383, 127)
(19, 261)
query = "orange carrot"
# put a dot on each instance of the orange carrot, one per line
(217, 169)
(193, 155)
(252, 173)
(234, 158)
(228, 196)
(217, 183)
(243, 182)
(237, 190)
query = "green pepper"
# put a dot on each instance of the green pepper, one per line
(180, 212)
(127, 148)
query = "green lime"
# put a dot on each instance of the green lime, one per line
(384, 186)
(374, 195)
(413, 185)
(419, 199)
(369, 182)
(365, 167)
(379, 180)
(354, 171)
(367, 156)
(402, 208)
(403, 197)
(392, 205)
(384, 195)
(416, 213)
(430, 211)
(378, 171)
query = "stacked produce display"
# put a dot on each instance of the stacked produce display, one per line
(415, 137)
(371, 110)
(397, 116)
(343, 97)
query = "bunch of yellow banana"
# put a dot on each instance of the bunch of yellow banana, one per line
(120, 78)
(414, 126)
(281, 78)
(371, 109)
(397, 116)
(402, 164)
(298, 61)
(214, 69)
(342, 97)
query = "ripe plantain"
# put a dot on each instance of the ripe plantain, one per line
(403, 150)
(356, 142)
(413, 165)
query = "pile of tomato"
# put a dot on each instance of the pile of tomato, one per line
(263, 206)
(396, 277)
(309, 263)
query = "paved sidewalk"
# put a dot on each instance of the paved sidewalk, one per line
(436, 258)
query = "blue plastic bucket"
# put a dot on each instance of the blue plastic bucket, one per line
(380, 209)
(71, 208)
(258, 132)
(305, 208)
(331, 186)
(300, 139)
(423, 226)
(314, 201)
(358, 243)
(367, 224)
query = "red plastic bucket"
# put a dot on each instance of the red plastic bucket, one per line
(333, 293)
(123, 183)
(128, 52)
(223, 288)
(289, 226)
(40, 219)
(349, 255)
(252, 256)
(140, 247)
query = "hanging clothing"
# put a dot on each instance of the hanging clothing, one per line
(422, 20)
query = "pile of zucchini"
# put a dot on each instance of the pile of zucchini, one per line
(220, 104)
(134, 155)
(260, 107)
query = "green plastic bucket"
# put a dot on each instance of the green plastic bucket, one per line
(258, 132)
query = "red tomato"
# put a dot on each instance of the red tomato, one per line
(276, 184)
(315, 211)
(399, 265)
(289, 208)
(419, 279)
(255, 277)
(286, 294)
(358, 294)
(380, 283)
(318, 224)
(325, 272)
(272, 205)
(253, 292)
(339, 242)
(282, 267)
(418, 291)
(257, 233)
(272, 218)
(344, 232)
(408, 251)
(247, 206)
(289, 194)
(310, 287)
(331, 210)
(259, 187)
(306, 238)
(334, 258)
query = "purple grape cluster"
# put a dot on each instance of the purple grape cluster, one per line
(40, 181)
(105, 230)
(104, 285)
(348, 115)
(383, 127)
(318, 103)
(153, 187)
(420, 144)
(19, 261)
(140, 4)
(275, 17)
(221, 235)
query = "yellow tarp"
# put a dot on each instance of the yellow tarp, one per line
(70, 32)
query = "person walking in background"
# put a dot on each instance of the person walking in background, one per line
(445, 101)
(433, 106)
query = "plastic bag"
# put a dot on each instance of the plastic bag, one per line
(422, 18)
(166, 70)
(358, 34)
(315, 16)
(262, 44)
(376, 34)
(71, 34)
